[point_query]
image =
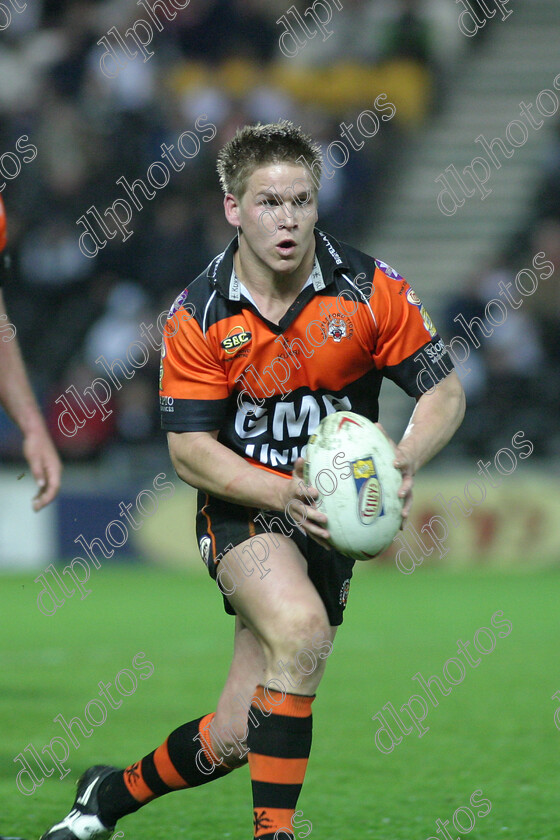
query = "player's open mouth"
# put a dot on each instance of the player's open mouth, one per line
(286, 247)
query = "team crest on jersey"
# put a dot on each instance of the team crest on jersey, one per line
(236, 338)
(344, 590)
(338, 326)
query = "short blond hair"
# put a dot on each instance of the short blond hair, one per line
(258, 145)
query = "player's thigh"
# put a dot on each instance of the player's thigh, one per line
(283, 609)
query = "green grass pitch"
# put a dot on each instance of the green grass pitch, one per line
(495, 731)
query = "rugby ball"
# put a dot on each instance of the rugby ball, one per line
(350, 462)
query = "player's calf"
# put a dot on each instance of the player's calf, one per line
(226, 742)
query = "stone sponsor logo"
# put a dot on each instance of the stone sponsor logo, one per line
(166, 404)
(436, 351)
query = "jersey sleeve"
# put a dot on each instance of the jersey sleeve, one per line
(194, 391)
(408, 349)
(4, 258)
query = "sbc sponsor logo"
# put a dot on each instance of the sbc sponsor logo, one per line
(235, 339)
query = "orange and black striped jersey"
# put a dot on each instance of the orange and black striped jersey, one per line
(267, 386)
(4, 261)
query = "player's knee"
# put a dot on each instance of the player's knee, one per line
(299, 633)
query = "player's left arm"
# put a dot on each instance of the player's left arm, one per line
(19, 402)
(435, 419)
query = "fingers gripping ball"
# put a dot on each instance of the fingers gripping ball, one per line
(350, 462)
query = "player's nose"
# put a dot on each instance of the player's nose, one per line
(287, 218)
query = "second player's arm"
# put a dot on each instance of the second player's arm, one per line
(20, 404)
(201, 461)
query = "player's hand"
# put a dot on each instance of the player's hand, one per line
(403, 462)
(45, 465)
(296, 501)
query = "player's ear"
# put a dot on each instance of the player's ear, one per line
(231, 209)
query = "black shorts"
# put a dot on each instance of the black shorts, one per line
(220, 526)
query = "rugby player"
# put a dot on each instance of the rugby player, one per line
(17, 398)
(285, 326)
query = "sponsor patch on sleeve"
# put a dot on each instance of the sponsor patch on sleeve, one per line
(390, 272)
(178, 302)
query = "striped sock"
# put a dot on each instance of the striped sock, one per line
(185, 759)
(279, 741)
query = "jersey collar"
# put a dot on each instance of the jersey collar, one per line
(328, 255)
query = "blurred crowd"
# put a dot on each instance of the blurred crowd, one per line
(512, 381)
(218, 58)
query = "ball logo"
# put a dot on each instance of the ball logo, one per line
(368, 489)
(363, 468)
(369, 501)
(346, 419)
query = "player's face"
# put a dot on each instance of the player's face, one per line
(276, 215)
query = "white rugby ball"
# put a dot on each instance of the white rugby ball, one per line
(350, 462)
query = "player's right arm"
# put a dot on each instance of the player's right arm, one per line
(201, 461)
